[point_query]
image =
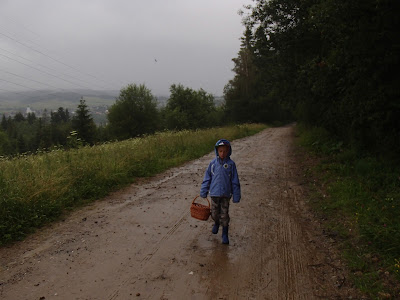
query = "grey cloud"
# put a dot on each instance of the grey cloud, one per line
(118, 41)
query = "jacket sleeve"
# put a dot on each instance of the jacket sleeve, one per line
(205, 186)
(235, 185)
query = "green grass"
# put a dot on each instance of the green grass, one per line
(362, 206)
(37, 189)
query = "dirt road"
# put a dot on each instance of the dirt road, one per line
(141, 243)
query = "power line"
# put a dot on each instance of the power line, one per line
(33, 97)
(15, 39)
(49, 74)
(15, 22)
(11, 91)
(29, 79)
(45, 66)
(19, 84)
(48, 56)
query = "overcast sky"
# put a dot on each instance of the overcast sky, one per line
(107, 44)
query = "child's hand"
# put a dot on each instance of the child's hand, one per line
(235, 200)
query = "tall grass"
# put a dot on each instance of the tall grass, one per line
(359, 195)
(37, 189)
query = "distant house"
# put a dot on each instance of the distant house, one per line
(29, 110)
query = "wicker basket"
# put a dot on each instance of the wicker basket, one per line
(200, 211)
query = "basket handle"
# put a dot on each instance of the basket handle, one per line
(203, 198)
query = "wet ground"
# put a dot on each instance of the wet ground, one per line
(141, 242)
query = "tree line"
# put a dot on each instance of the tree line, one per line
(326, 63)
(134, 113)
(320, 62)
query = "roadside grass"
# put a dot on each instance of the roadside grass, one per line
(359, 197)
(38, 189)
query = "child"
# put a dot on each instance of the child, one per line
(222, 181)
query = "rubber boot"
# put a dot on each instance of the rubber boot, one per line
(225, 239)
(215, 228)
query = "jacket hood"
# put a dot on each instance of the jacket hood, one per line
(222, 142)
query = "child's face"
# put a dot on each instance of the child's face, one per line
(223, 152)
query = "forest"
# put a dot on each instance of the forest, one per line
(324, 63)
(319, 62)
(135, 113)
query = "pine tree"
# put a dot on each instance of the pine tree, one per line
(83, 123)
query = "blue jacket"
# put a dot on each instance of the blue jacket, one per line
(221, 178)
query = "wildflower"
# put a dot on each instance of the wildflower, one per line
(397, 265)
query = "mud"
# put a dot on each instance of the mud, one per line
(141, 243)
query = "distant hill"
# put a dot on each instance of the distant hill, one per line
(39, 100)
(51, 100)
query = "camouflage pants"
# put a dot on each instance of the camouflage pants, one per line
(220, 210)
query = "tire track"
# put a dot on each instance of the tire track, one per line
(149, 256)
(291, 257)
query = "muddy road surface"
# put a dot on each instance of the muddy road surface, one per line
(141, 242)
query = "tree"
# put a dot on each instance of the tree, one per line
(4, 122)
(83, 123)
(42, 138)
(5, 145)
(60, 126)
(59, 116)
(21, 144)
(189, 109)
(31, 118)
(239, 93)
(45, 117)
(333, 64)
(19, 117)
(255, 94)
(134, 113)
